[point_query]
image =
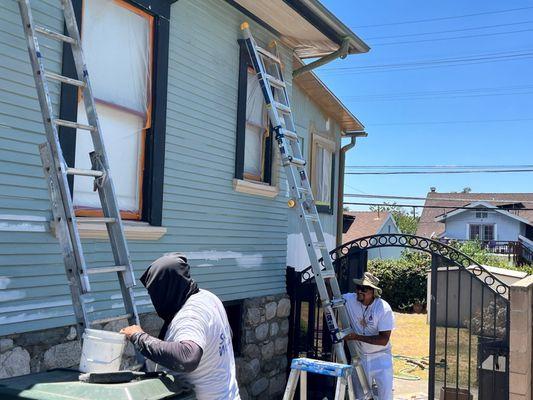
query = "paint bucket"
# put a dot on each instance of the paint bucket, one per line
(101, 351)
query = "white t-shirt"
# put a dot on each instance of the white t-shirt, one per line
(369, 321)
(203, 320)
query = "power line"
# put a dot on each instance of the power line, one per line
(436, 166)
(392, 197)
(427, 206)
(443, 18)
(492, 171)
(450, 122)
(447, 31)
(452, 38)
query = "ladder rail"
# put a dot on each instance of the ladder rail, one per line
(306, 207)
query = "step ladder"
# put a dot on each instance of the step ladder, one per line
(301, 366)
(269, 73)
(56, 171)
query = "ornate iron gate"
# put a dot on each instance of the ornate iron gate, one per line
(468, 317)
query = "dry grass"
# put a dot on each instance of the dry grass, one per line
(410, 339)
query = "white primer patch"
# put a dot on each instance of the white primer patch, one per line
(243, 260)
(10, 295)
(4, 282)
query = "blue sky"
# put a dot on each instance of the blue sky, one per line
(438, 128)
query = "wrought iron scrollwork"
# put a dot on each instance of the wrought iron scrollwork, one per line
(427, 245)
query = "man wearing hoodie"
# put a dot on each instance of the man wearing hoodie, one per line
(195, 339)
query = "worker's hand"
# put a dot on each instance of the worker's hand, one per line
(130, 330)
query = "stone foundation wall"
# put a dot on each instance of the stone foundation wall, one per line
(261, 366)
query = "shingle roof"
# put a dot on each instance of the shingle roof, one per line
(428, 226)
(365, 223)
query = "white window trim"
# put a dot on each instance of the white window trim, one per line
(133, 230)
(255, 188)
(326, 144)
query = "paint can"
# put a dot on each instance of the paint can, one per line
(102, 351)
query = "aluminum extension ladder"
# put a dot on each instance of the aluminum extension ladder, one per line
(269, 73)
(56, 171)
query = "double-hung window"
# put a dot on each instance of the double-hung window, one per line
(126, 51)
(322, 172)
(253, 161)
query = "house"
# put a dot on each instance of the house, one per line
(358, 224)
(498, 217)
(193, 162)
(503, 222)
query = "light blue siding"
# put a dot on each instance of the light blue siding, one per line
(506, 228)
(310, 118)
(237, 243)
(386, 252)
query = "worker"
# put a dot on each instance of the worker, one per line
(195, 340)
(372, 321)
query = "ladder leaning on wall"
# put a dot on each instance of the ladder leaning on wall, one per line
(56, 171)
(269, 73)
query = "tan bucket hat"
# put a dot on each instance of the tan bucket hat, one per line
(370, 281)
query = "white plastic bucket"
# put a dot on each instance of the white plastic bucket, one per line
(101, 351)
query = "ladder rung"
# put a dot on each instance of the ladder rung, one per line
(109, 319)
(328, 273)
(337, 303)
(75, 125)
(290, 135)
(345, 332)
(297, 161)
(303, 190)
(282, 107)
(64, 79)
(275, 81)
(312, 218)
(97, 220)
(54, 35)
(320, 245)
(84, 172)
(268, 54)
(106, 270)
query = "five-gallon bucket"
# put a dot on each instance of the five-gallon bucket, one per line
(101, 351)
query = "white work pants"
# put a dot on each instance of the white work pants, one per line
(378, 369)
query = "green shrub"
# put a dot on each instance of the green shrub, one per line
(404, 280)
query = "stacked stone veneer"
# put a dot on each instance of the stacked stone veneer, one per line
(261, 366)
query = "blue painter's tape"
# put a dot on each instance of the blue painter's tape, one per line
(322, 367)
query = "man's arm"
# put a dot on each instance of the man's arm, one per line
(181, 356)
(380, 339)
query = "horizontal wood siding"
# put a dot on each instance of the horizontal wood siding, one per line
(236, 243)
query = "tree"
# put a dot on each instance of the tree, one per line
(406, 221)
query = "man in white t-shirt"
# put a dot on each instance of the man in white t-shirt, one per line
(195, 340)
(372, 320)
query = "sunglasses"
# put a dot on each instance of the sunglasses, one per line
(362, 289)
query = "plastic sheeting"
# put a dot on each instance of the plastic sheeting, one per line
(116, 41)
(255, 127)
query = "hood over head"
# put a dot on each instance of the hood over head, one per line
(169, 285)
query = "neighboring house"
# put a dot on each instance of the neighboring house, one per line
(193, 160)
(496, 217)
(358, 224)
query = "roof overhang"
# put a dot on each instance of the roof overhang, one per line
(304, 25)
(327, 101)
(478, 205)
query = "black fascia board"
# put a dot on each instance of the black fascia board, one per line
(314, 20)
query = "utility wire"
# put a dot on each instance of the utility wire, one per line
(443, 18)
(447, 31)
(492, 171)
(483, 121)
(427, 206)
(391, 197)
(452, 38)
(437, 166)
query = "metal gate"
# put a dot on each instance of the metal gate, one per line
(468, 317)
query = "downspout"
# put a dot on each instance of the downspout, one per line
(353, 135)
(342, 52)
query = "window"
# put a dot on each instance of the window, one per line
(482, 233)
(481, 214)
(127, 59)
(322, 172)
(253, 159)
